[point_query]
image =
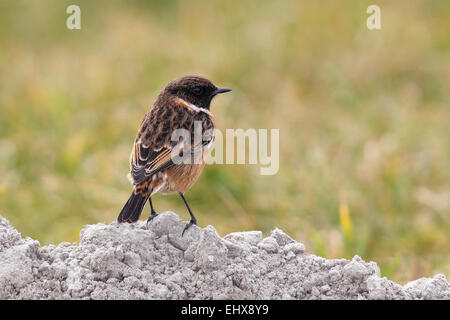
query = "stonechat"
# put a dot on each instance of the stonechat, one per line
(184, 104)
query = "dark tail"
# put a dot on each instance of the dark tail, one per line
(133, 208)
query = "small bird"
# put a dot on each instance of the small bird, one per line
(155, 165)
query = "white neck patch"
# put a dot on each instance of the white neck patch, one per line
(191, 106)
(194, 107)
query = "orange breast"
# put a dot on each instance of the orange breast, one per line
(181, 177)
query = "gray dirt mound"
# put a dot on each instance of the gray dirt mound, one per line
(130, 262)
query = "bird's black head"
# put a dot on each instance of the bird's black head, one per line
(196, 90)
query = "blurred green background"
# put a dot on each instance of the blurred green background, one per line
(363, 118)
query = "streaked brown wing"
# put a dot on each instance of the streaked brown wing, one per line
(146, 162)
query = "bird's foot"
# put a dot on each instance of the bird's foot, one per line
(188, 225)
(153, 214)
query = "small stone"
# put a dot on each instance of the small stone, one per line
(269, 244)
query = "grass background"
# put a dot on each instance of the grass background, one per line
(363, 118)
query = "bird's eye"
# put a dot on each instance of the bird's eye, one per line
(197, 91)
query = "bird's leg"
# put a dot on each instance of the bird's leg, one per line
(153, 213)
(193, 220)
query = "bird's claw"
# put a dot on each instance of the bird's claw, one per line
(188, 225)
(153, 215)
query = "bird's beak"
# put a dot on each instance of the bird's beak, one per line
(221, 90)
